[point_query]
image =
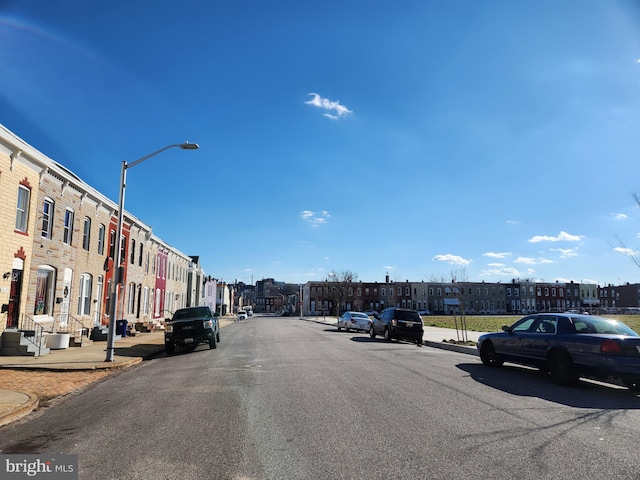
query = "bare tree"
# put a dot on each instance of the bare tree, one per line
(634, 255)
(459, 282)
(340, 288)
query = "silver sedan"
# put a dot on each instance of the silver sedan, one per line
(354, 321)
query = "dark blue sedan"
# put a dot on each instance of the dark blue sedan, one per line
(568, 346)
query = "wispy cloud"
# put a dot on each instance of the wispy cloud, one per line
(501, 272)
(561, 237)
(497, 254)
(620, 216)
(565, 252)
(315, 219)
(335, 107)
(452, 259)
(627, 251)
(532, 261)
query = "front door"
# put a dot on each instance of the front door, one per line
(14, 299)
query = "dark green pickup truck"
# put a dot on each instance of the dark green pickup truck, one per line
(189, 327)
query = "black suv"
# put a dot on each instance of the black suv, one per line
(398, 323)
(191, 327)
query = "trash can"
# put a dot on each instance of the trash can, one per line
(121, 328)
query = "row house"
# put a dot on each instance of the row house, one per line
(446, 298)
(620, 299)
(57, 245)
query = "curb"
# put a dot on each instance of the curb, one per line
(22, 411)
(449, 346)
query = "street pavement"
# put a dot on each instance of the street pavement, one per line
(131, 350)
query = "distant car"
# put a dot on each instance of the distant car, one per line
(242, 315)
(568, 346)
(371, 313)
(285, 313)
(354, 321)
(424, 312)
(190, 327)
(398, 323)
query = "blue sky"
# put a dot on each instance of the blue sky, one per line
(492, 140)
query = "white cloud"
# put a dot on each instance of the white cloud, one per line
(313, 218)
(620, 216)
(495, 264)
(497, 254)
(501, 272)
(562, 236)
(565, 252)
(335, 107)
(629, 252)
(532, 261)
(452, 259)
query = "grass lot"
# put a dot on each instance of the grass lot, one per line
(494, 323)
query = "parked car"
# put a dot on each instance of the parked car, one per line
(371, 313)
(190, 327)
(354, 321)
(424, 312)
(568, 346)
(398, 323)
(242, 315)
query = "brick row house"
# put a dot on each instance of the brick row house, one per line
(473, 298)
(57, 245)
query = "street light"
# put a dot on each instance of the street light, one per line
(117, 272)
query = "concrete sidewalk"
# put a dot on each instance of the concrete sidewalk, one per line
(132, 350)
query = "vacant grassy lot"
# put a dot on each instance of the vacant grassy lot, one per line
(494, 323)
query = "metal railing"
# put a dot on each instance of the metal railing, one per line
(65, 323)
(32, 331)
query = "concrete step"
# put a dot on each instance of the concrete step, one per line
(15, 343)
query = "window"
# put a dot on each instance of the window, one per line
(123, 249)
(407, 291)
(84, 296)
(67, 235)
(131, 300)
(132, 258)
(101, 231)
(146, 301)
(140, 255)
(22, 209)
(45, 288)
(47, 218)
(86, 233)
(112, 244)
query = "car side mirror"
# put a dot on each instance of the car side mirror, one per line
(506, 329)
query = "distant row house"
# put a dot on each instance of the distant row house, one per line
(57, 245)
(517, 297)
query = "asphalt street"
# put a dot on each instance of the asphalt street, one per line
(286, 399)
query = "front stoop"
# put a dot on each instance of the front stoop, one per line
(14, 343)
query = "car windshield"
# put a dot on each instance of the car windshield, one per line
(602, 325)
(191, 313)
(360, 315)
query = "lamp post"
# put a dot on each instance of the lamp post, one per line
(117, 272)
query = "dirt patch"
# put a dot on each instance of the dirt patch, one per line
(47, 384)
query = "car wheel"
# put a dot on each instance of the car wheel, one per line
(563, 372)
(218, 337)
(346, 329)
(339, 327)
(489, 356)
(170, 348)
(372, 333)
(212, 342)
(387, 334)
